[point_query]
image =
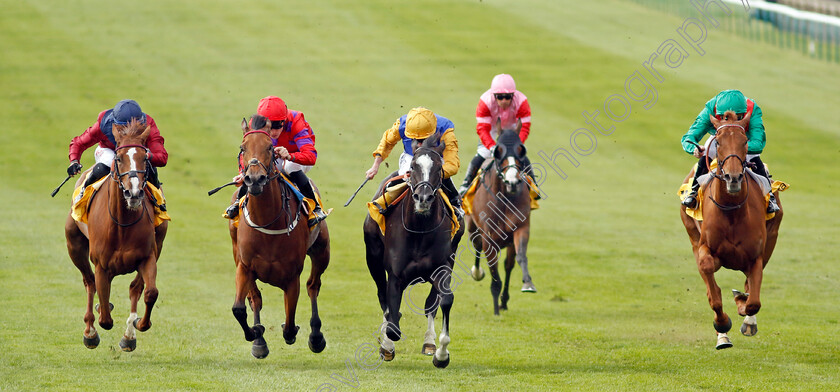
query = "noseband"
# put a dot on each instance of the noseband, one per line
(423, 183)
(117, 176)
(256, 162)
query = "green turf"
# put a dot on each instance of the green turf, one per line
(620, 303)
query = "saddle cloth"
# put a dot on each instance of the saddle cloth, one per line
(697, 212)
(392, 196)
(80, 207)
(470, 195)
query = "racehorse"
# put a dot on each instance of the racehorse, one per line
(120, 237)
(501, 213)
(734, 233)
(271, 241)
(418, 246)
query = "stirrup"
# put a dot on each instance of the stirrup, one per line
(690, 200)
(772, 207)
(319, 216)
(232, 211)
(463, 190)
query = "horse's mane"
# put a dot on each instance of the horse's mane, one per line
(730, 116)
(134, 128)
(258, 122)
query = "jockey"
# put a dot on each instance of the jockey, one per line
(501, 103)
(419, 124)
(102, 132)
(294, 145)
(735, 101)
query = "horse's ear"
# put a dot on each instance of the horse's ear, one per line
(497, 126)
(746, 120)
(415, 144)
(267, 124)
(715, 121)
(146, 132)
(518, 125)
(521, 151)
(245, 127)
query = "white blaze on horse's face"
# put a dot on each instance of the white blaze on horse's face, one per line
(136, 188)
(511, 173)
(425, 164)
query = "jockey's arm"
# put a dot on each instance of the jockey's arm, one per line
(756, 138)
(524, 116)
(483, 119)
(389, 139)
(155, 144)
(701, 126)
(451, 162)
(87, 139)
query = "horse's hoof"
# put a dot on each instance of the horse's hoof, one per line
(317, 343)
(723, 342)
(128, 345)
(477, 273)
(387, 355)
(440, 364)
(259, 349)
(291, 336)
(528, 287)
(750, 326)
(107, 326)
(91, 343)
(428, 349)
(97, 307)
(736, 294)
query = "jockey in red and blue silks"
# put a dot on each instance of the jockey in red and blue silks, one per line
(294, 146)
(726, 100)
(101, 132)
(503, 104)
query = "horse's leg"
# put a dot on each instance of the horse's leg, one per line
(244, 281)
(431, 310)
(708, 265)
(520, 241)
(103, 287)
(129, 339)
(750, 325)
(291, 295)
(375, 256)
(393, 299)
(319, 256)
(259, 349)
(387, 349)
(442, 284)
(78, 247)
(496, 284)
(754, 278)
(148, 272)
(476, 271)
(510, 260)
(160, 234)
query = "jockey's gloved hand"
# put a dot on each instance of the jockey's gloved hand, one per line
(74, 168)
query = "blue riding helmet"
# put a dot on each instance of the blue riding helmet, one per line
(127, 109)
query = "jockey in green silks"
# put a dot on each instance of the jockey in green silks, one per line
(726, 100)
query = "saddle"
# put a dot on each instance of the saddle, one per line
(467, 198)
(393, 195)
(80, 207)
(307, 204)
(697, 213)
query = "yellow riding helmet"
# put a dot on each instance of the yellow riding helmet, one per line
(420, 123)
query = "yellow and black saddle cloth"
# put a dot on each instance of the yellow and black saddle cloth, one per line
(697, 212)
(308, 204)
(81, 205)
(393, 195)
(470, 195)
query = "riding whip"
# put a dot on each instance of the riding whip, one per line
(59, 187)
(356, 192)
(214, 190)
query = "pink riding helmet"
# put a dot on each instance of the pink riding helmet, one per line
(502, 84)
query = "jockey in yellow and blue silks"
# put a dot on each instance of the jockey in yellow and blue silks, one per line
(419, 124)
(726, 100)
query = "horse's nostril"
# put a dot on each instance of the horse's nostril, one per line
(126, 193)
(261, 179)
(247, 180)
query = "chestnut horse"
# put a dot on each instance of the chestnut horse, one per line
(120, 237)
(734, 233)
(417, 247)
(272, 241)
(501, 213)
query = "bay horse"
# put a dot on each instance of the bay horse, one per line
(501, 216)
(734, 233)
(272, 241)
(417, 247)
(119, 238)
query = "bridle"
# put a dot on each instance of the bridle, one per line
(285, 209)
(719, 177)
(116, 176)
(417, 186)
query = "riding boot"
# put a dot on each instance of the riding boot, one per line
(98, 171)
(472, 169)
(759, 169)
(691, 200)
(529, 170)
(454, 197)
(302, 181)
(233, 210)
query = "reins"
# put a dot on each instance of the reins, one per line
(719, 177)
(285, 209)
(116, 176)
